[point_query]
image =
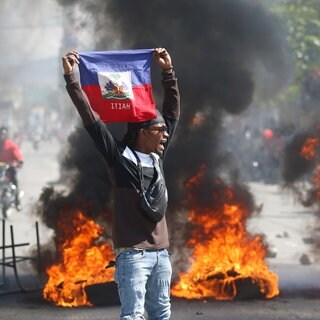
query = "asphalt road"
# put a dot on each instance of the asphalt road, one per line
(30, 306)
(285, 223)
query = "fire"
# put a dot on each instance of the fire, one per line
(82, 262)
(310, 151)
(198, 119)
(224, 254)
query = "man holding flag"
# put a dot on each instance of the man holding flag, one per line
(118, 88)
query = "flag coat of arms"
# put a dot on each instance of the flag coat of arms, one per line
(118, 84)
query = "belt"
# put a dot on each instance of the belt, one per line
(122, 249)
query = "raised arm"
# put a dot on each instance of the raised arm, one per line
(78, 97)
(171, 99)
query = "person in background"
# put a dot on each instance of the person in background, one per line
(143, 269)
(11, 154)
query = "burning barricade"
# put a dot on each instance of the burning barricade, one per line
(226, 262)
(82, 261)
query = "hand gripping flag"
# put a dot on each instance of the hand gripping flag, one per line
(118, 84)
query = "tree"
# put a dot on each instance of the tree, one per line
(302, 21)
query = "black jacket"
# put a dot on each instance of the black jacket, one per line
(130, 228)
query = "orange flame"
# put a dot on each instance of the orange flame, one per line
(83, 262)
(308, 150)
(197, 119)
(223, 253)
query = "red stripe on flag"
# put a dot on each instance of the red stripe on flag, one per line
(141, 108)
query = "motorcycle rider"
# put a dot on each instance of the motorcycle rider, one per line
(10, 153)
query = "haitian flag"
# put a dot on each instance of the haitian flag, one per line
(118, 84)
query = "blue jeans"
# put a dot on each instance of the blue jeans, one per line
(143, 279)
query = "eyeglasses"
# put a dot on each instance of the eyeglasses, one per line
(158, 129)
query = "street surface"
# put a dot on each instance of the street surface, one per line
(30, 307)
(285, 223)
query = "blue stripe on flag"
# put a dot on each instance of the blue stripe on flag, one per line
(136, 61)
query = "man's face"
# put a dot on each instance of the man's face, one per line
(155, 138)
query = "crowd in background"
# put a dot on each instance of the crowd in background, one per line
(257, 147)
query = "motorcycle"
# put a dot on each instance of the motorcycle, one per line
(8, 190)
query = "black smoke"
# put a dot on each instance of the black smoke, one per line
(297, 167)
(300, 173)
